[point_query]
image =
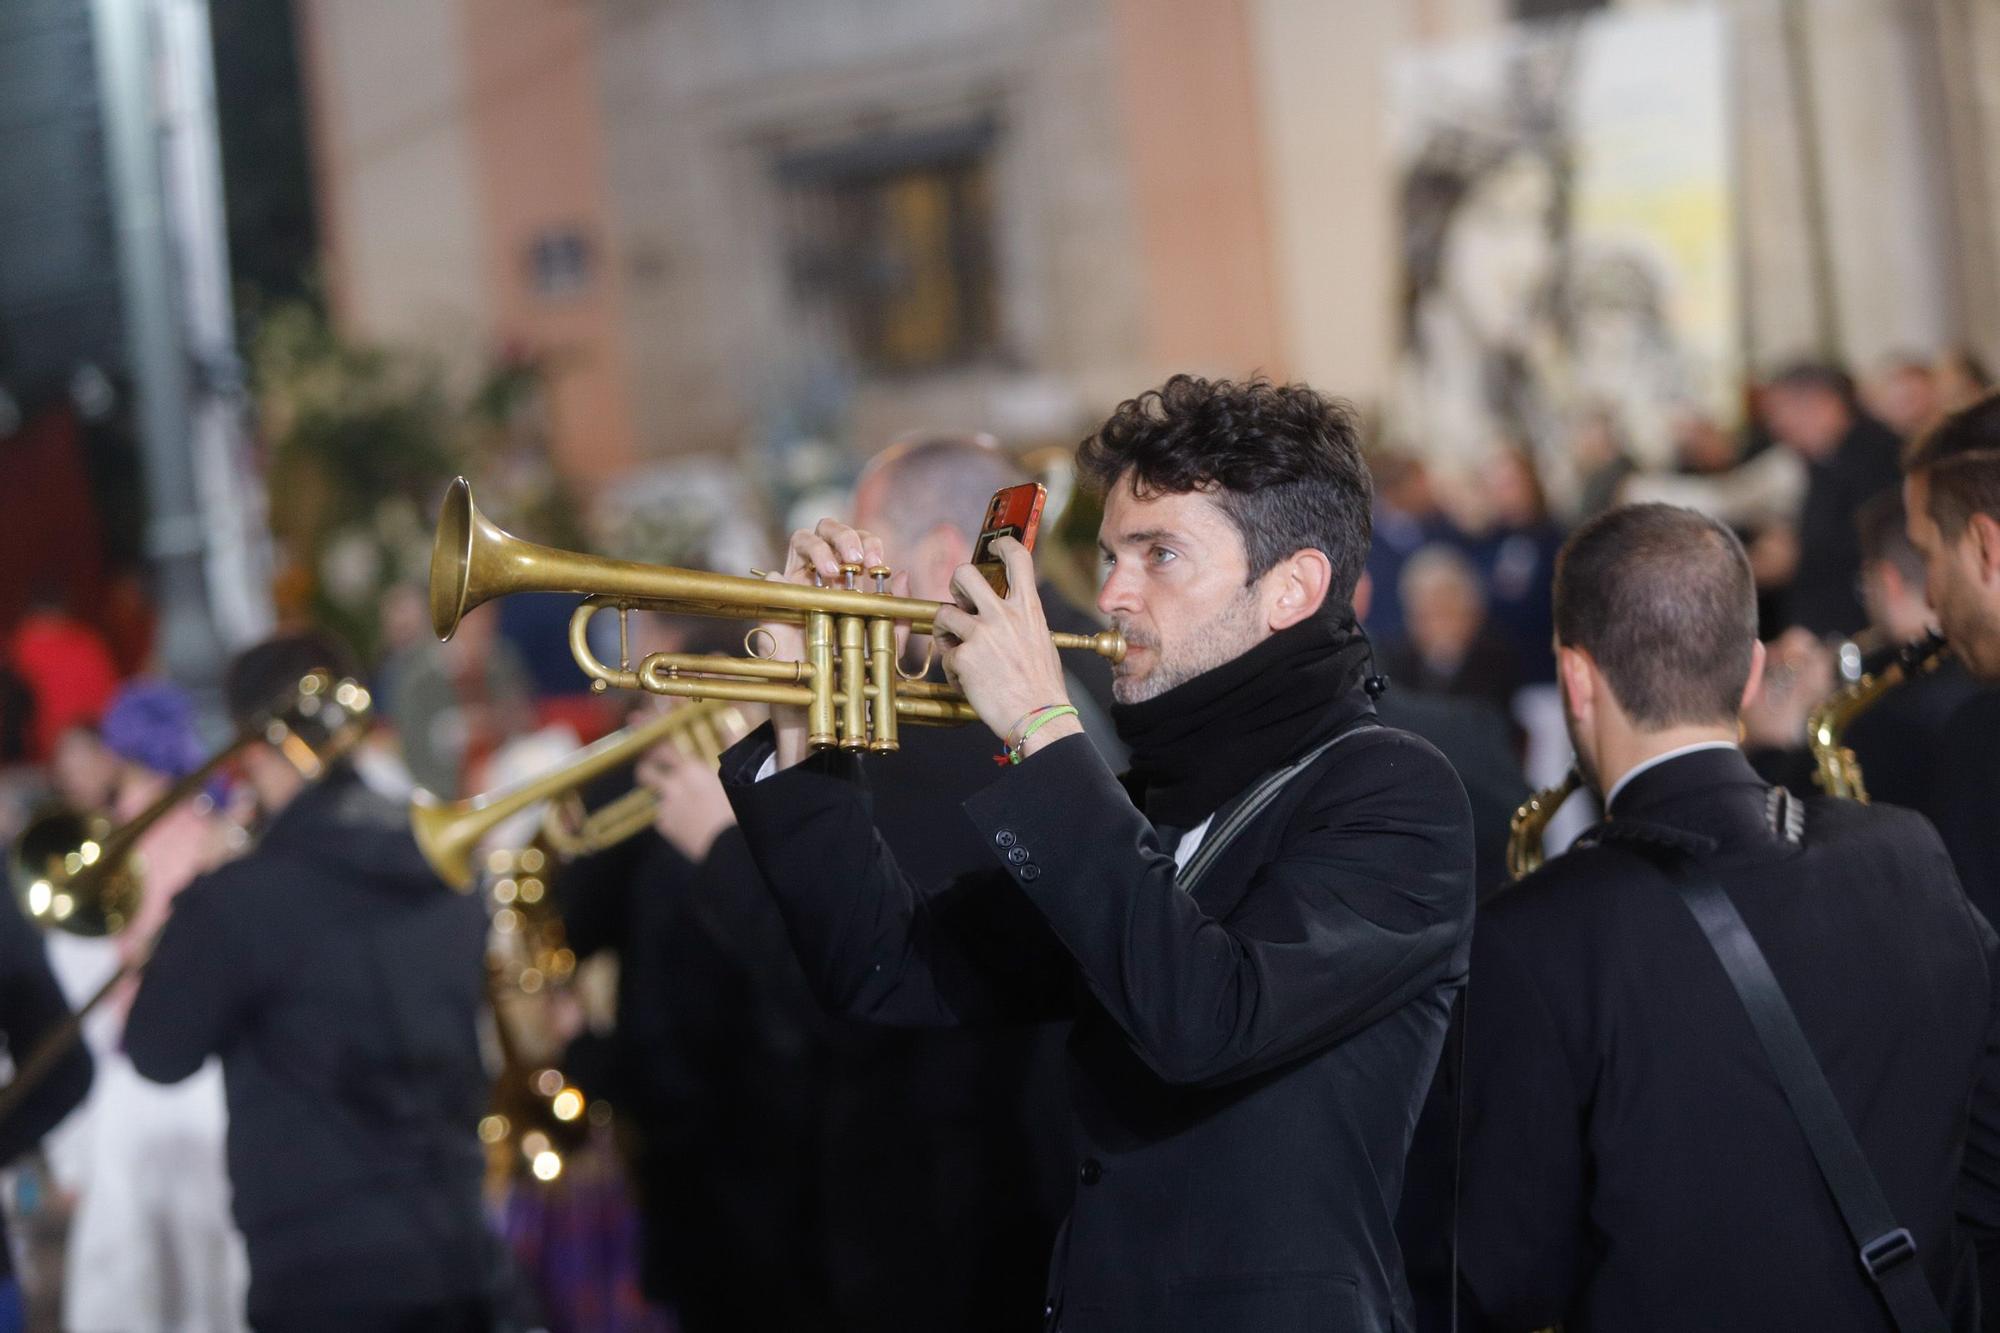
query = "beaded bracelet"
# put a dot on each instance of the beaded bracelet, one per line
(1030, 723)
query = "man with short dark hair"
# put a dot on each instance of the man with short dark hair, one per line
(1258, 936)
(1951, 494)
(1630, 1160)
(341, 985)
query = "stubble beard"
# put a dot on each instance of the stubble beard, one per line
(1973, 629)
(1224, 637)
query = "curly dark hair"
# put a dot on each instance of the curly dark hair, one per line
(1283, 461)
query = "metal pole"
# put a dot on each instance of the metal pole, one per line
(124, 34)
(1812, 174)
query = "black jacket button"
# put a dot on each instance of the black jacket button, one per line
(1004, 838)
(1091, 1171)
(1031, 872)
(1018, 855)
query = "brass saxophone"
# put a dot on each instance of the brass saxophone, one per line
(1531, 821)
(1835, 768)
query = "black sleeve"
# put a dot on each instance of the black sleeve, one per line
(731, 900)
(871, 943)
(1521, 1221)
(595, 892)
(1364, 906)
(188, 998)
(1979, 1170)
(31, 1008)
(1962, 798)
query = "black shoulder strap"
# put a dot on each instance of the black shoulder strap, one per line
(1235, 817)
(1887, 1253)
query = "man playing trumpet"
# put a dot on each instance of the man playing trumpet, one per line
(1257, 935)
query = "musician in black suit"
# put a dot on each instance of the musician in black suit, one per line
(1951, 495)
(1902, 738)
(1630, 1161)
(1253, 1034)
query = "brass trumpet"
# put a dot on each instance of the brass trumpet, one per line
(449, 832)
(1835, 768)
(851, 685)
(539, 1119)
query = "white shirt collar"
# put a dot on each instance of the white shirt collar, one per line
(1611, 796)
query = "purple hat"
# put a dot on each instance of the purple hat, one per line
(151, 722)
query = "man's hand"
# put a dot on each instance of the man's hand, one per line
(820, 552)
(694, 809)
(1000, 653)
(1798, 676)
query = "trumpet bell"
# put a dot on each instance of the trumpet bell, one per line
(444, 837)
(67, 879)
(451, 557)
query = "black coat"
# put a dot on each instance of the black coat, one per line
(1901, 741)
(1474, 739)
(341, 984)
(1961, 797)
(1246, 1061)
(1629, 1160)
(715, 1067)
(799, 1172)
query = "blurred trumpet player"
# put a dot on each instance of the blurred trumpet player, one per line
(953, 1144)
(340, 984)
(713, 1060)
(151, 1245)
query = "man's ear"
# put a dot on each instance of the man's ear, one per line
(1297, 587)
(1576, 674)
(1755, 685)
(1894, 585)
(1985, 533)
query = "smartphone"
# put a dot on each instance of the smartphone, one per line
(1014, 511)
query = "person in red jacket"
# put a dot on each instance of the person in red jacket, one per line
(67, 670)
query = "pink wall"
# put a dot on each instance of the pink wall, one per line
(1196, 158)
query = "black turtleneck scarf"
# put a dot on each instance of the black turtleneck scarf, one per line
(1209, 738)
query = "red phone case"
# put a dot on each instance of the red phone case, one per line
(1014, 511)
